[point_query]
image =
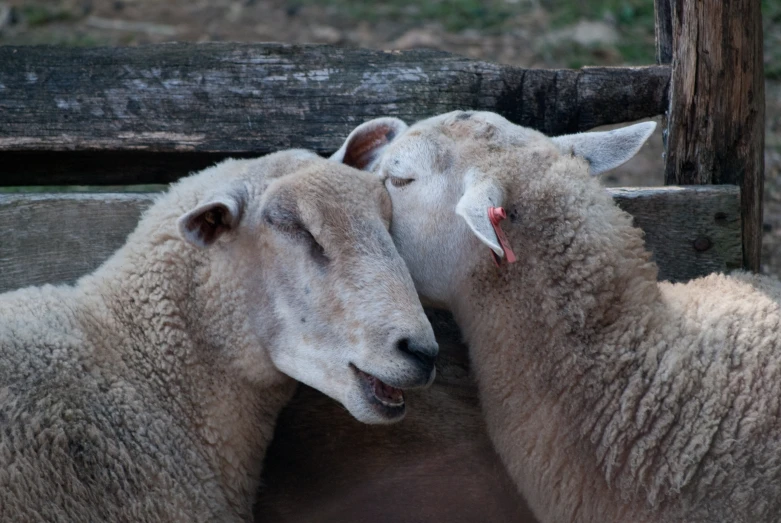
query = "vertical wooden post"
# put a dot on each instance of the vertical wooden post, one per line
(664, 31)
(715, 125)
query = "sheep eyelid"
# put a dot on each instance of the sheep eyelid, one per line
(318, 253)
(316, 250)
(400, 182)
(298, 232)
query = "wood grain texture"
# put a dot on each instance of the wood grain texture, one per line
(238, 98)
(691, 231)
(715, 132)
(55, 238)
(663, 29)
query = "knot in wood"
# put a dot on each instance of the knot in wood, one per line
(702, 244)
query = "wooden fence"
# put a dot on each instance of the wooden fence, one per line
(106, 116)
(153, 114)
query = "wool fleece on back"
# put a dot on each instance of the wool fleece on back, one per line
(610, 397)
(149, 390)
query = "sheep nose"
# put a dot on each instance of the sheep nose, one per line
(424, 353)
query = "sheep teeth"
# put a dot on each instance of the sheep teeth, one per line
(387, 395)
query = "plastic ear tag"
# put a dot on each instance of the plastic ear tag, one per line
(496, 215)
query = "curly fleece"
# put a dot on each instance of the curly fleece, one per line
(609, 396)
(126, 397)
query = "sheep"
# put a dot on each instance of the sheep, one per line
(149, 390)
(437, 465)
(609, 396)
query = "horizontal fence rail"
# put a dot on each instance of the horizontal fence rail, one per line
(55, 238)
(244, 99)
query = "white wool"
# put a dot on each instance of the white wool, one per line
(149, 390)
(609, 397)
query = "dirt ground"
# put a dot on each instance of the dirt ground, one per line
(527, 36)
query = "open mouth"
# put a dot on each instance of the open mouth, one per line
(388, 400)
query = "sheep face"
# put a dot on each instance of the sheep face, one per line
(444, 173)
(327, 295)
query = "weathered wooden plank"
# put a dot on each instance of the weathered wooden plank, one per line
(54, 238)
(715, 132)
(664, 31)
(238, 98)
(691, 231)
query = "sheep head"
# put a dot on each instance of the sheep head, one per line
(301, 245)
(444, 173)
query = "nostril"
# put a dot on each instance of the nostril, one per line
(425, 355)
(403, 345)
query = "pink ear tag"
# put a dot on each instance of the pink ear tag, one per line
(496, 215)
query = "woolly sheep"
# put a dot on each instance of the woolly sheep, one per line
(609, 397)
(438, 465)
(149, 390)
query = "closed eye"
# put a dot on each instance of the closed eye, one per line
(316, 250)
(400, 182)
(295, 230)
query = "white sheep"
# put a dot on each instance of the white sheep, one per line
(150, 389)
(609, 397)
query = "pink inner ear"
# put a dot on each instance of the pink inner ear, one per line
(496, 215)
(363, 147)
(207, 230)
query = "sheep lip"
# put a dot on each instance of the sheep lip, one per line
(388, 400)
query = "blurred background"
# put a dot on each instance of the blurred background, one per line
(527, 33)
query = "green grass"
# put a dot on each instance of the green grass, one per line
(36, 15)
(75, 39)
(454, 15)
(633, 20)
(626, 13)
(771, 22)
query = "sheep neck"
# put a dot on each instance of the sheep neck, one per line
(147, 292)
(553, 339)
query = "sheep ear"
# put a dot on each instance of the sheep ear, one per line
(473, 207)
(367, 141)
(606, 150)
(208, 221)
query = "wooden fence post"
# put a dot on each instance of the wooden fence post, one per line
(715, 124)
(664, 31)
